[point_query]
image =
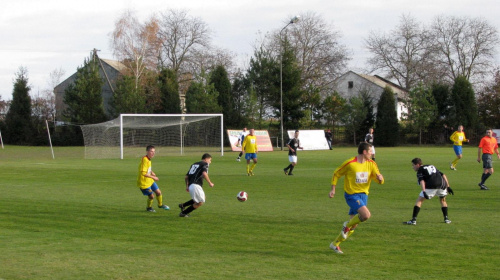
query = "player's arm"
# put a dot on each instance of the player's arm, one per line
(448, 189)
(243, 145)
(479, 154)
(186, 179)
(496, 151)
(332, 192)
(453, 136)
(205, 176)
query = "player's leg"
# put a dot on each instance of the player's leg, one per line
(159, 196)
(198, 197)
(254, 163)
(293, 160)
(416, 210)
(444, 208)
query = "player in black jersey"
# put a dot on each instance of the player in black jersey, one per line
(433, 182)
(292, 145)
(194, 182)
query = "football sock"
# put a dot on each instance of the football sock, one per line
(485, 177)
(454, 163)
(291, 169)
(354, 221)
(160, 200)
(150, 203)
(253, 166)
(288, 167)
(241, 153)
(189, 210)
(340, 239)
(416, 209)
(445, 212)
(248, 168)
(188, 203)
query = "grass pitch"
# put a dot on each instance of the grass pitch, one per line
(70, 218)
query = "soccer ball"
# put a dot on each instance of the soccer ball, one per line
(242, 196)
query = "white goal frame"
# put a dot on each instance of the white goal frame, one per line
(180, 131)
(111, 139)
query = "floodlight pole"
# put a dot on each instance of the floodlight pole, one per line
(293, 20)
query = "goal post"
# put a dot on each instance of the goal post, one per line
(129, 134)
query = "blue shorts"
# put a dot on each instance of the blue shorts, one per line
(150, 190)
(355, 201)
(457, 149)
(249, 156)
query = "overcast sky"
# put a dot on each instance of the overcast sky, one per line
(53, 34)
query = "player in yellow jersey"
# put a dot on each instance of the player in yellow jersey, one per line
(249, 147)
(359, 171)
(146, 181)
(457, 137)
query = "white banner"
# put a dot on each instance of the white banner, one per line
(311, 139)
(496, 134)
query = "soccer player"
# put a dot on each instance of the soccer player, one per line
(292, 145)
(194, 185)
(146, 181)
(369, 140)
(241, 138)
(433, 182)
(359, 171)
(249, 147)
(457, 137)
(488, 145)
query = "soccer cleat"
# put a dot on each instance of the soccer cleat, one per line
(183, 215)
(250, 173)
(411, 222)
(447, 221)
(345, 230)
(165, 207)
(286, 171)
(181, 206)
(150, 209)
(238, 159)
(290, 174)
(452, 167)
(336, 249)
(483, 187)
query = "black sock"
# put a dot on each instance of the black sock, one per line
(482, 178)
(445, 212)
(288, 167)
(188, 210)
(416, 209)
(241, 153)
(291, 169)
(187, 203)
(485, 177)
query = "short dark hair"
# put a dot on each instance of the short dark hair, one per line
(363, 146)
(148, 148)
(416, 161)
(297, 130)
(205, 156)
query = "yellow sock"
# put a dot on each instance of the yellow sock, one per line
(338, 240)
(248, 168)
(454, 163)
(150, 203)
(160, 200)
(253, 166)
(354, 221)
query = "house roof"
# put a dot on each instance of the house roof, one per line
(120, 67)
(381, 82)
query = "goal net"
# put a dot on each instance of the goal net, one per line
(129, 134)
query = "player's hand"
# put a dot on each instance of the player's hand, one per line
(426, 196)
(450, 191)
(331, 194)
(479, 160)
(211, 184)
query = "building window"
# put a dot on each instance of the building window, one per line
(350, 84)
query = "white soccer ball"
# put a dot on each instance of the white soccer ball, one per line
(242, 196)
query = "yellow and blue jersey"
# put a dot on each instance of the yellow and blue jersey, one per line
(250, 144)
(458, 138)
(144, 168)
(358, 176)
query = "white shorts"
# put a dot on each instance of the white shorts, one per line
(292, 159)
(197, 193)
(434, 192)
(373, 149)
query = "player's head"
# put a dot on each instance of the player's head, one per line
(252, 131)
(364, 148)
(296, 133)
(460, 128)
(150, 150)
(207, 158)
(370, 130)
(244, 129)
(489, 132)
(416, 163)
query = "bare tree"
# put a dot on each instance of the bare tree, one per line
(466, 46)
(135, 44)
(404, 54)
(180, 37)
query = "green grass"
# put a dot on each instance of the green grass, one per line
(70, 218)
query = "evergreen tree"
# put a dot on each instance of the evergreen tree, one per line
(241, 101)
(369, 119)
(292, 90)
(127, 98)
(386, 123)
(464, 110)
(84, 96)
(169, 88)
(422, 109)
(201, 99)
(353, 115)
(219, 79)
(19, 127)
(332, 108)
(489, 103)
